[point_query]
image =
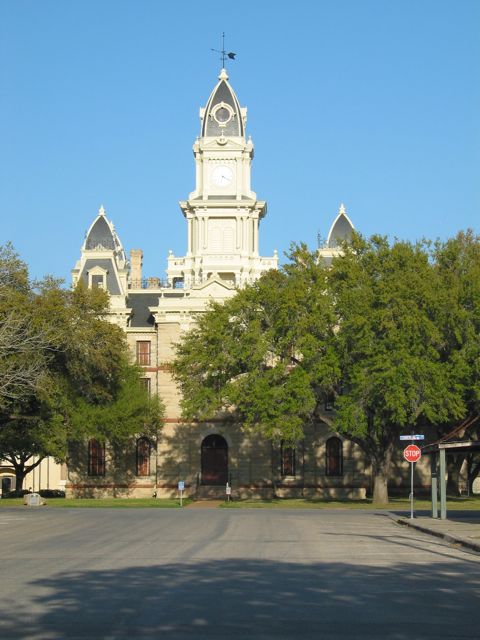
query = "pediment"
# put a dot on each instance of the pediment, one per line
(214, 287)
(212, 144)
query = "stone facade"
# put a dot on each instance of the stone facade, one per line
(223, 216)
(47, 475)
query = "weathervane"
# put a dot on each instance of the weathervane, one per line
(224, 55)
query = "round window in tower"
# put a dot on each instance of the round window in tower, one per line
(222, 115)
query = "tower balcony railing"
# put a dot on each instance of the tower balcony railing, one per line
(155, 283)
(148, 283)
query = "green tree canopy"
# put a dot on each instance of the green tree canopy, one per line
(254, 353)
(458, 263)
(394, 375)
(81, 382)
(368, 329)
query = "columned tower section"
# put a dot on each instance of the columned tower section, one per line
(223, 213)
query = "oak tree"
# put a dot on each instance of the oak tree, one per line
(81, 384)
(366, 329)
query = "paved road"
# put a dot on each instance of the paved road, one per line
(228, 574)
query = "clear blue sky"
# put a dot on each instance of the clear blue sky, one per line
(374, 103)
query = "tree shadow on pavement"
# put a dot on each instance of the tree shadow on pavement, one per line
(466, 517)
(252, 599)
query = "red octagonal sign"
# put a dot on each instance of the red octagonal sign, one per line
(412, 453)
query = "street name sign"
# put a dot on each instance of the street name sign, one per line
(417, 436)
(412, 453)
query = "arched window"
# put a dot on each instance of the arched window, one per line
(96, 458)
(287, 459)
(8, 484)
(334, 454)
(143, 457)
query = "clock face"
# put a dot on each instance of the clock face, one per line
(222, 176)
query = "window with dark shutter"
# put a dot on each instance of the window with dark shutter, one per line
(287, 456)
(334, 457)
(146, 382)
(143, 457)
(96, 458)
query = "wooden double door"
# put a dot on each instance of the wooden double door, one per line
(214, 460)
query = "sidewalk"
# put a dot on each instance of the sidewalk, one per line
(461, 527)
(204, 504)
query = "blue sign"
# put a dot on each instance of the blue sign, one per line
(418, 436)
(181, 485)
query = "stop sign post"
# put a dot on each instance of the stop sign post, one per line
(412, 454)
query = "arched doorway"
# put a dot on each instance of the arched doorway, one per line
(7, 484)
(214, 460)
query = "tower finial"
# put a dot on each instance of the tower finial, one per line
(224, 54)
(342, 208)
(101, 211)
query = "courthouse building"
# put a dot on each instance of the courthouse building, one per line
(222, 226)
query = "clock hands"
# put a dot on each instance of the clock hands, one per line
(222, 176)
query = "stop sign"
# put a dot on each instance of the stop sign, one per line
(412, 453)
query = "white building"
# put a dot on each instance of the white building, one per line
(223, 218)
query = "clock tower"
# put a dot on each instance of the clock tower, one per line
(223, 213)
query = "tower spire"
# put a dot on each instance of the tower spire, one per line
(224, 55)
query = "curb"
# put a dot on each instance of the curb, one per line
(472, 546)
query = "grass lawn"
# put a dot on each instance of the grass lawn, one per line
(395, 504)
(115, 503)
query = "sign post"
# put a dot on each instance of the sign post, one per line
(181, 488)
(228, 491)
(412, 454)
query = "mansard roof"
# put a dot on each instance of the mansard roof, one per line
(341, 229)
(140, 304)
(102, 236)
(222, 115)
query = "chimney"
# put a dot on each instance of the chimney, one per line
(136, 257)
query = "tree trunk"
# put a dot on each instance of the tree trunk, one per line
(22, 469)
(380, 487)
(454, 465)
(20, 474)
(380, 470)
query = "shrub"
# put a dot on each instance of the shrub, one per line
(15, 494)
(45, 493)
(52, 493)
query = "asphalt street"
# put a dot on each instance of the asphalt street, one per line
(258, 573)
